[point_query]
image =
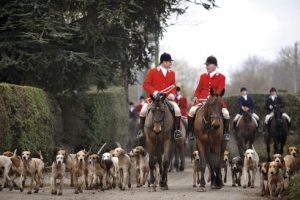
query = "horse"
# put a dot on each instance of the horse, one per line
(158, 129)
(178, 150)
(245, 132)
(209, 130)
(277, 131)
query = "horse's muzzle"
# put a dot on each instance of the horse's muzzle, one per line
(157, 128)
(215, 126)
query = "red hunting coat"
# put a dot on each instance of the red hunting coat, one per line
(156, 81)
(216, 82)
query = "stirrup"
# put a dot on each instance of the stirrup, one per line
(177, 134)
(140, 134)
(226, 136)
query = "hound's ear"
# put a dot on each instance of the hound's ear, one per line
(230, 161)
(288, 151)
(267, 165)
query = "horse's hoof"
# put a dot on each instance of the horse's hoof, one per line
(76, 192)
(129, 185)
(244, 186)
(201, 189)
(216, 187)
(164, 187)
(36, 191)
(53, 192)
(233, 185)
(60, 193)
(29, 192)
(194, 185)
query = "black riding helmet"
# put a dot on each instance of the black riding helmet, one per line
(273, 90)
(165, 57)
(243, 89)
(211, 60)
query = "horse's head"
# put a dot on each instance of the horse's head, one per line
(158, 111)
(278, 115)
(247, 116)
(213, 110)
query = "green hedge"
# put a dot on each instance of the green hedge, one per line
(25, 119)
(96, 118)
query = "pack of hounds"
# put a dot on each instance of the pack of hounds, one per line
(112, 168)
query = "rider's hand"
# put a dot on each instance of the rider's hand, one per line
(155, 93)
(171, 97)
(271, 107)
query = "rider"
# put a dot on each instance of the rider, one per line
(272, 101)
(159, 79)
(245, 104)
(138, 108)
(182, 103)
(215, 80)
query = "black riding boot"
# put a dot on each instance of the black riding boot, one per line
(191, 128)
(141, 128)
(234, 125)
(226, 128)
(177, 133)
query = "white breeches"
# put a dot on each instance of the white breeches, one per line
(193, 110)
(272, 114)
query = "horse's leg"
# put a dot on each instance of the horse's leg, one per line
(152, 166)
(176, 159)
(165, 165)
(201, 151)
(275, 145)
(267, 142)
(182, 160)
(171, 158)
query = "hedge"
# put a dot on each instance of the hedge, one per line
(31, 119)
(26, 122)
(94, 119)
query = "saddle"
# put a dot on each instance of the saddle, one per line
(170, 106)
(238, 121)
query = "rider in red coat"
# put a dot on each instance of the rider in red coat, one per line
(157, 80)
(182, 103)
(210, 80)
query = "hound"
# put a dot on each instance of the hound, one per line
(251, 162)
(141, 163)
(124, 168)
(292, 150)
(16, 166)
(32, 167)
(196, 167)
(236, 170)
(275, 180)
(5, 167)
(95, 170)
(58, 170)
(226, 159)
(263, 170)
(79, 169)
(290, 164)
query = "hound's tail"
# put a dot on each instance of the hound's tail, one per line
(253, 148)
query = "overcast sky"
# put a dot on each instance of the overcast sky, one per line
(233, 32)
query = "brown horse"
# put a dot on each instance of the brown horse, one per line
(277, 131)
(159, 126)
(178, 150)
(245, 132)
(209, 140)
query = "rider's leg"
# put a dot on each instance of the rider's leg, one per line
(256, 117)
(143, 113)
(266, 123)
(191, 120)
(177, 133)
(226, 117)
(287, 118)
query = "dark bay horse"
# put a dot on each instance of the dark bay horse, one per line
(245, 132)
(159, 126)
(209, 140)
(277, 131)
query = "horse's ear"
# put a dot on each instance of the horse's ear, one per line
(222, 93)
(212, 92)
